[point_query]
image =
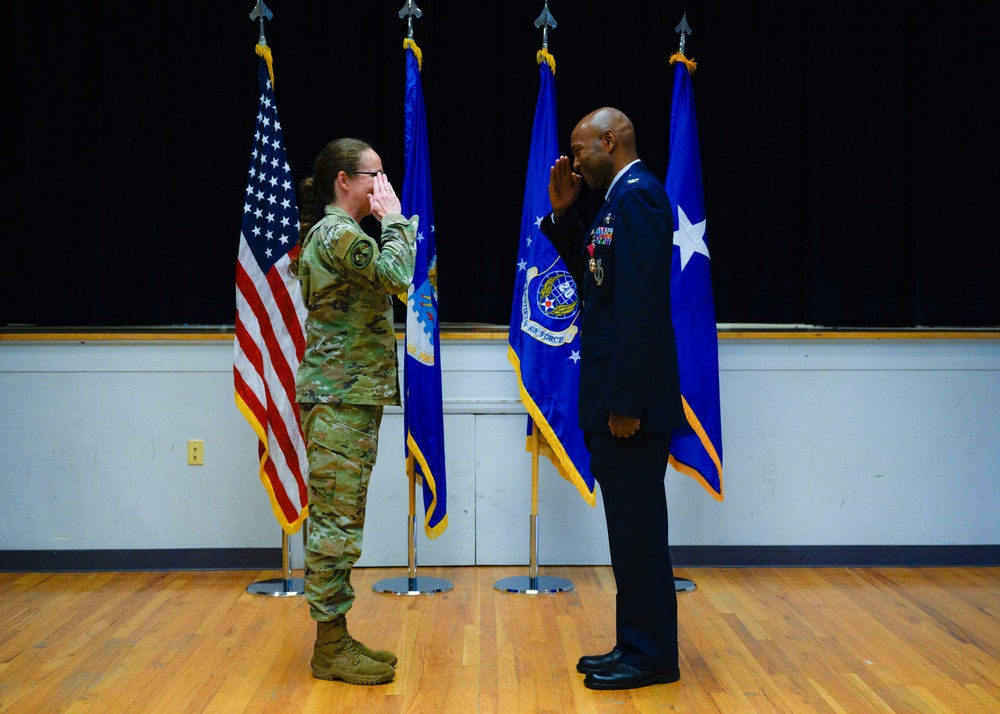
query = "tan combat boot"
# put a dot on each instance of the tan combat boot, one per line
(337, 656)
(383, 656)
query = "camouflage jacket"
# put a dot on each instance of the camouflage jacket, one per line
(347, 280)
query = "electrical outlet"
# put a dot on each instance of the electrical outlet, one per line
(196, 452)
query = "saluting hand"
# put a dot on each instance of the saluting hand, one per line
(564, 186)
(382, 199)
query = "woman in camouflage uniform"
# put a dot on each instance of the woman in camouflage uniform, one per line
(348, 374)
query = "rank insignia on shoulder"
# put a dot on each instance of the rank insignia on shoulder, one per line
(632, 180)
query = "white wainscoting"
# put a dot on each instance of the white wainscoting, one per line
(859, 441)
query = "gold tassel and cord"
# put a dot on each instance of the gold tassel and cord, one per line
(416, 51)
(265, 52)
(544, 56)
(690, 64)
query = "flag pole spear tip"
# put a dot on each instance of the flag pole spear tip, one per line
(260, 12)
(684, 29)
(410, 11)
(545, 21)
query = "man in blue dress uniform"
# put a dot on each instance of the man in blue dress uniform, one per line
(629, 385)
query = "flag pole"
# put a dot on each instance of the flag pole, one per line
(683, 585)
(412, 584)
(286, 585)
(411, 538)
(533, 584)
(533, 529)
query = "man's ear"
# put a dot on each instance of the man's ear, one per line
(609, 140)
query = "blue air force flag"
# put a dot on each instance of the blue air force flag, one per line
(423, 415)
(544, 331)
(695, 450)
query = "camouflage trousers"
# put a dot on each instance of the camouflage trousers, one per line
(341, 443)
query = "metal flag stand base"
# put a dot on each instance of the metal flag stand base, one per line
(533, 583)
(286, 586)
(412, 584)
(683, 585)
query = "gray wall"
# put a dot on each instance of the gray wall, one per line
(827, 442)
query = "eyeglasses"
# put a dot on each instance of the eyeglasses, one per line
(365, 173)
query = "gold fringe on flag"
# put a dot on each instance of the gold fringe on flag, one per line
(416, 51)
(706, 443)
(265, 52)
(544, 56)
(548, 442)
(690, 64)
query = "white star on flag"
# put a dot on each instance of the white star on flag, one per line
(690, 238)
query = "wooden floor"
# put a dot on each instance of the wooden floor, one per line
(751, 640)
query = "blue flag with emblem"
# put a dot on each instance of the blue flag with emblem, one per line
(695, 450)
(422, 408)
(544, 322)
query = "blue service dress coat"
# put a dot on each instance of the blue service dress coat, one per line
(628, 354)
(629, 366)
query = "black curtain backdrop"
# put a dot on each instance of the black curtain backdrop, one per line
(849, 149)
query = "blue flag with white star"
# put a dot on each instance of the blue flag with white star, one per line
(695, 450)
(422, 407)
(544, 323)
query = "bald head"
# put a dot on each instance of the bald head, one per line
(603, 143)
(609, 119)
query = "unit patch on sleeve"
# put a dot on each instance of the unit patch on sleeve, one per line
(361, 253)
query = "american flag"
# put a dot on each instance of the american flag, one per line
(270, 339)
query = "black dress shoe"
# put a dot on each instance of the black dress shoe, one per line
(592, 663)
(624, 676)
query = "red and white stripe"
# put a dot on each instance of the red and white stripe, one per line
(269, 344)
